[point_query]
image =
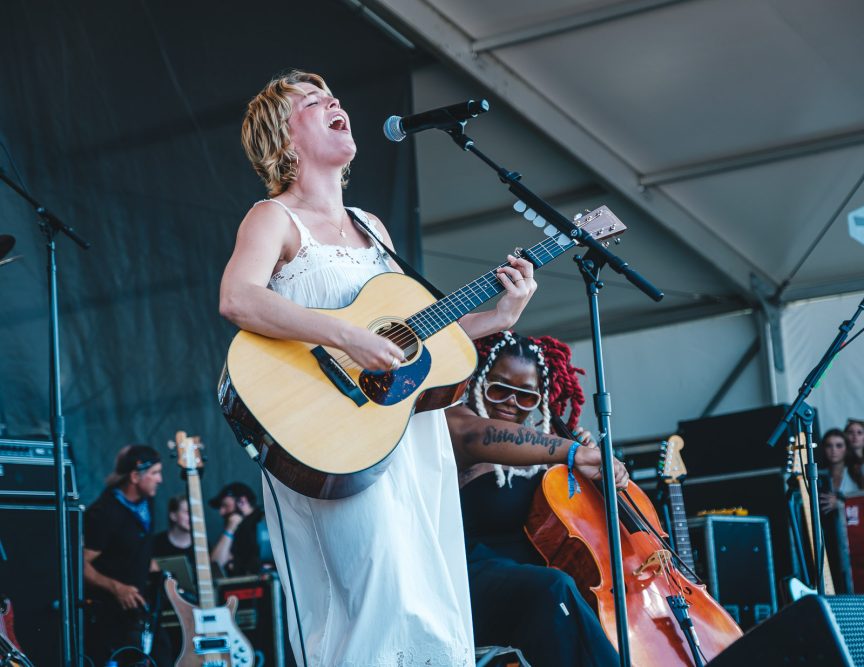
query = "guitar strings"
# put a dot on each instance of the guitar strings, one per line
(439, 314)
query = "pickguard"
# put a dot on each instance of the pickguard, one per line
(391, 387)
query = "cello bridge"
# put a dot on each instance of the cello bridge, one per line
(658, 561)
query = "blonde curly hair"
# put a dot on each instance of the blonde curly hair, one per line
(266, 133)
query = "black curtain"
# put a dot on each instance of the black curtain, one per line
(124, 119)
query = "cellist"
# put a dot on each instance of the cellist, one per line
(516, 600)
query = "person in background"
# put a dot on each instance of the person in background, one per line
(516, 600)
(118, 550)
(177, 540)
(854, 433)
(237, 551)
(835, 453)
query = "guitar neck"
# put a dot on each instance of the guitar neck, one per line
(442, 313)
(206, 594)
(680, 531)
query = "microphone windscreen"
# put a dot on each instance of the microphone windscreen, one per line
(393, 129)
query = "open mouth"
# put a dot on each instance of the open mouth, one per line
(338, 123)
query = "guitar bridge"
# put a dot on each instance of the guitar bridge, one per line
(337, 375)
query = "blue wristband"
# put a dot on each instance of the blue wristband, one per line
(228, 534)
(572, 483)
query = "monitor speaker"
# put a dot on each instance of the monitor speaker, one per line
(29, 576)
(816, 631)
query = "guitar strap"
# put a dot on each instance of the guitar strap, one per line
(405, 266)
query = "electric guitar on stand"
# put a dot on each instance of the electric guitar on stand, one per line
(326, 428)
(671, 471)
(796, 452)
(10, 649)
(211, 638)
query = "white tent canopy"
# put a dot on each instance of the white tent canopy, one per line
(728, 135)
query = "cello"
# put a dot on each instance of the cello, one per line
(671, 620)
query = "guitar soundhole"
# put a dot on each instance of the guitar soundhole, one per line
(401, 334)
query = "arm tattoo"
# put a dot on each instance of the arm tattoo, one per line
(522, 436)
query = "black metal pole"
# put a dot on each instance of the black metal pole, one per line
(58, 437)
(603, 409)
(50, 225)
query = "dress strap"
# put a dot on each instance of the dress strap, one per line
(306, 237)
(370, 230)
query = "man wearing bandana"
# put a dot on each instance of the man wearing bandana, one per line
(118, 546)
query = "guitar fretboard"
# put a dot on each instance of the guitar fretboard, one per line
(442, 313)
(206, 594)
(680, 531)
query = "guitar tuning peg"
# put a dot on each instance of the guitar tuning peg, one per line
(563, 240)
(617, 240)
(605, 244)
(578, 216)
(550, 230)
(519, 206)
(539, 221)
(529, 214)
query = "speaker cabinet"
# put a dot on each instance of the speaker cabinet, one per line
(733, 555)
(29, 576)
(815, 631)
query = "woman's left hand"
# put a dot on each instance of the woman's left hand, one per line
(519, 286)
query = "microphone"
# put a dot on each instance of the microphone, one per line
(396, 128)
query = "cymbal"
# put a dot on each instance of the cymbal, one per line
(6, 244)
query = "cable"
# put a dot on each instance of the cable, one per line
(87, 658)
(131, 648)
(266, 473)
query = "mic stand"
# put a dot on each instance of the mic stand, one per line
(590, 265)
(50, 225)
(803, 415)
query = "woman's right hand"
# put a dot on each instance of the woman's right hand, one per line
(371, 351)
(828, 501)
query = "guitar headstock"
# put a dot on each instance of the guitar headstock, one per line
(795, 455)
(671, 467)
(601, 223)
(188, 450)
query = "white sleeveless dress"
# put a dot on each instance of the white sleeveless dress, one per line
(381, 576)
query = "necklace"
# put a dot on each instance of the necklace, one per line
(340, 226)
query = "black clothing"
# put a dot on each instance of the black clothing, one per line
(515, 599)
(245, 552)
(126, 550)
(126, 546)
(163, 546)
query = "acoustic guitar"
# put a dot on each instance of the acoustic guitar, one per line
(671, 471)
(211, 638)
(326, 428)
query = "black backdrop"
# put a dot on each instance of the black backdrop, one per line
(124, 119)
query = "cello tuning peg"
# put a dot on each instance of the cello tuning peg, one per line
(520, 206)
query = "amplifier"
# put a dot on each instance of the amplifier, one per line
(260, 616)
(27, 471)
(733, 555)
(30, 577)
